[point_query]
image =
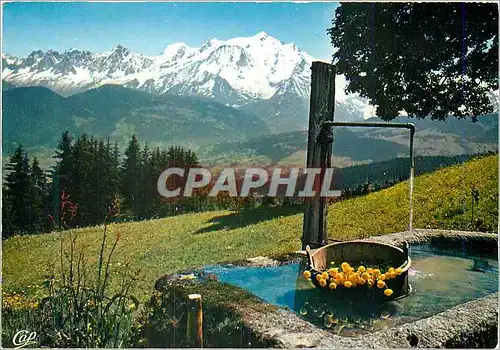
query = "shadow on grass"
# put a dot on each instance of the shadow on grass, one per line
(249, 217)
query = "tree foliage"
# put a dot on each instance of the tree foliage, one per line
(17, 190)
(93, 173)
(427, 59)
(25, 196)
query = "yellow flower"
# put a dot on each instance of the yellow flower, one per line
(333, 285)
(322, 283)
(388, 292)
(345, 267)
(353, 277)
(319, 277)
(380, 284)
(376, 272)
(340, 277)
(307, 274)
(381, 277)
(361, 269)
(391, 269)
(333, 271)
(324, 275)
(399, 271)
(348, 284)
(365, 275)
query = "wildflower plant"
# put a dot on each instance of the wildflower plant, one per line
(80, 309)
(18, 313)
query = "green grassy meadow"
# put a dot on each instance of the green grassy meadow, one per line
(442, 200)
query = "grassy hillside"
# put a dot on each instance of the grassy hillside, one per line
(442, 200)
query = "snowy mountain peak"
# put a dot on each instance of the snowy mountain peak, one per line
(175, 52)
(261, 39)
(120, 50)
(36, 54)
(261, 35)
(214, 42)
(174, 47)
(237, 72)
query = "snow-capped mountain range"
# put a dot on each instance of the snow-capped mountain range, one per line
(238, 72)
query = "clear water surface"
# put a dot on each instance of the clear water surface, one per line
(439, 281)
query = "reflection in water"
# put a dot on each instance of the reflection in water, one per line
(344, 314)
(438, 282)
(480, 266)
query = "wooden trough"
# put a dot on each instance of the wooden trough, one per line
(368, 254)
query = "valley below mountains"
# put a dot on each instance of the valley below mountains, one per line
(242, 101)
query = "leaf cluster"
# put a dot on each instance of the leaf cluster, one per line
(427, 59)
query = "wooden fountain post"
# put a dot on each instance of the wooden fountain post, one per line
(319, 151)
(194, 327)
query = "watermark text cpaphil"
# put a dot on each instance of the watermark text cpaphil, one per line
(310, 182)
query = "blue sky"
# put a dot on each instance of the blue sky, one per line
(149, 27)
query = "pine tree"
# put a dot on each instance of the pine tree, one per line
(114, 166)
(38, 198)
(175, 155)
(8, 224)
(144, 202)
(191, 159)
(131, 175)
(64, 160)
(18, 191)
(107, 162)
(61, 175)
(157, 163)
(81, 192)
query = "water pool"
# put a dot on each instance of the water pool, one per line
(439, 281)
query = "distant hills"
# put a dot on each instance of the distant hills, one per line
(6, 85)
(258, 73)
(364, 145)
(36, 116)
(243, 100)
(220, 135)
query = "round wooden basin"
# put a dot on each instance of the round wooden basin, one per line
(369, 254)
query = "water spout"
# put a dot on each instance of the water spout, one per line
(412, 176)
